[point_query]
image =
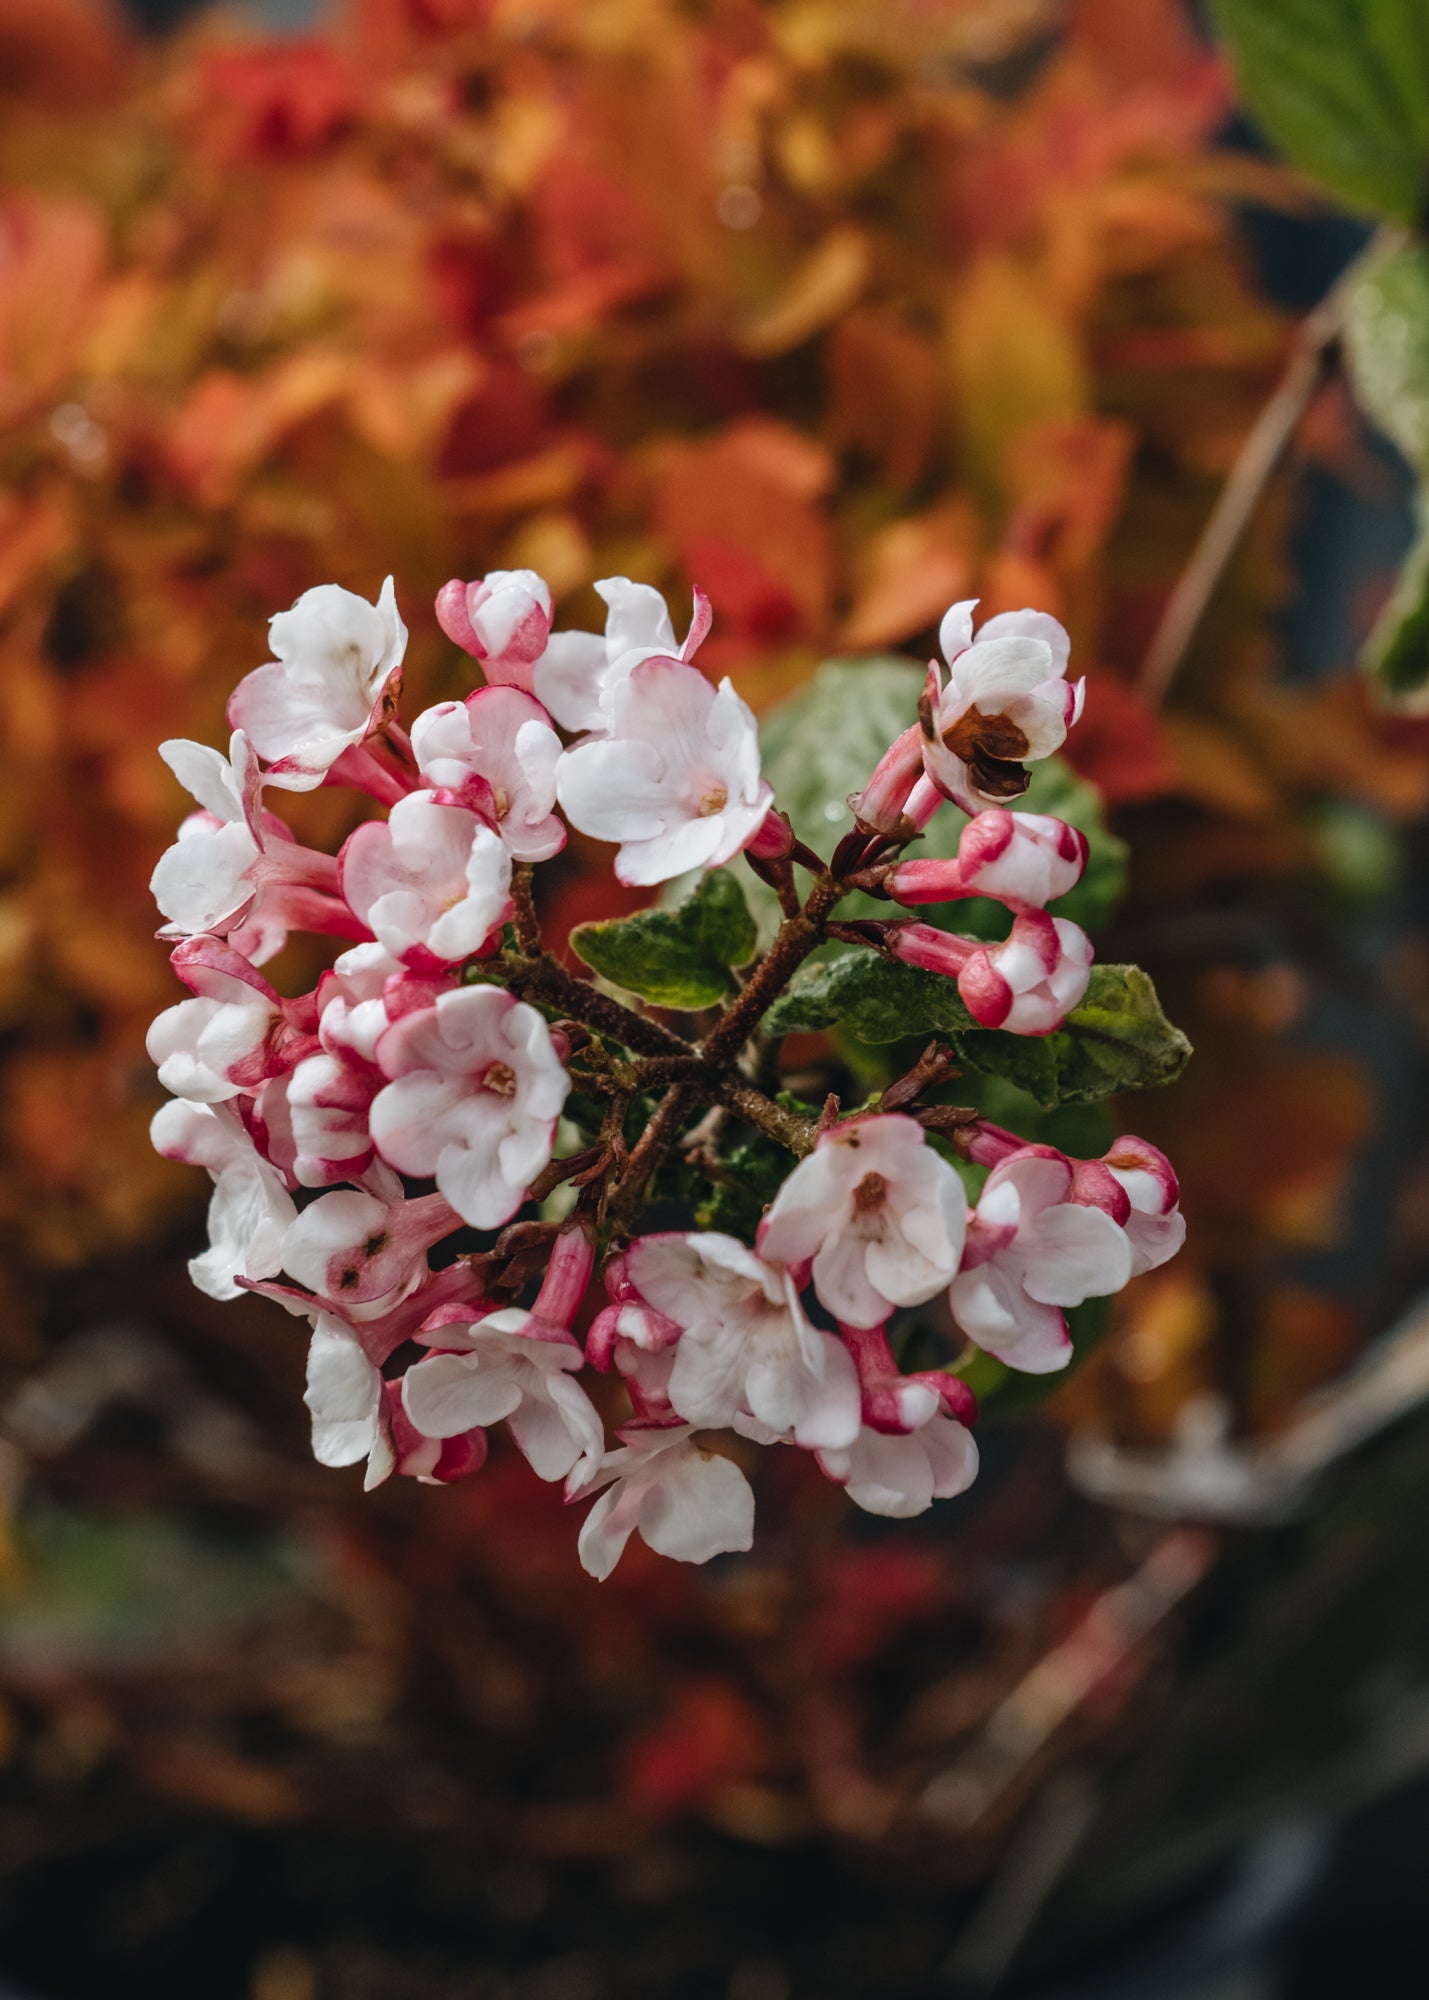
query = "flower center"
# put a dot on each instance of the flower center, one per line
(870, 1195)
(500, 801)
(501, 1078)
(713, 801)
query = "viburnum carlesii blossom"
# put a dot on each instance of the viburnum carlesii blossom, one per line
(747, 1354)
(332, 682)
(365, 1251)
(476, 1088)
(676, 782)
(1155, 1226)
(578, 671)
(1033, 1249)
(1025, 860)
(1006, 703)
(251, 1210)
(895, 1402)
(235, 869)
(901, 1474)
(873, 1216)
(328, 1100)
(234, 1034)
(357, 1415)
(432, 882)
(1028, 984)
(685, 1502)
(514, 1366)
(496, 752)
(503, 620)
(629, 1335)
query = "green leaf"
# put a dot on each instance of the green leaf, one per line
(1387, 347)
(676, 958)
(1118, 1039)
(1342, 87)
(1397, 650)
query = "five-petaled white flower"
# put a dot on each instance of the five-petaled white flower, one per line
(1032, 1250)
(432, 882)
(676, 782)
(578, 672)
(686, 1503)
(476, 1088)
(873, 1215)
(332, 681)
(251, 1210)
(496, 752)
(747, 1354)
(902, 1473)
(512, 1366)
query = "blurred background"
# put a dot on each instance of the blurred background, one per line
(845, 309)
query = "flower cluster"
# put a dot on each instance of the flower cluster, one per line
(384, 1149)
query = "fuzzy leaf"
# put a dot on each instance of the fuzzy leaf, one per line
(1118, 1039)
(1387, 347)
(676, 958)
(1342, 87)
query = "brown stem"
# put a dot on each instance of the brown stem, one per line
(523, 906)
(650, 1149)
(543, 979)
(798, 936)
(1311, 360)
(788, 1128)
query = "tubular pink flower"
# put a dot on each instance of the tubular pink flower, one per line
(1033, 1249)
(873, 1215)
(879, 807)
(329, 1101)
(901, 1474)
(897, 1403)
(475, 1089)
(1006, 704)
(433, 883)
(1025, 860)
(630, 1336)
(496, 753)
(685, 1503)
(1028, 984)
(747, 1354)
(578, 671)
(332, 682)
(503, 620)
(251, 1209)
(676, 781)
(514, 1367)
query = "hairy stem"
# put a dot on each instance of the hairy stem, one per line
(523, 906)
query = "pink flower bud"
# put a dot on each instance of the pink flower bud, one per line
(1025, 860)
(1028, 984)
(503, 620)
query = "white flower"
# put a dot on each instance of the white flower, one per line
(364, 1251)
(1007, 703)
(230, 1037)
(1025, 860)
(503, 620)
(874, 1215)
(502, 740)
(333, 678)
(676, 782)
(902, 1475)
(746, 1349)
(346, 1395)
(1030, 1252)
(236, 870)
(351, 1006)
(432, 882)
(475, 1093)
(686, 1503)
(251, 1210)
(513, 1366)
(329, 1100)
(577, 672)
